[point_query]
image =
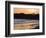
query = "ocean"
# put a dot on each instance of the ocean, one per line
(25, 23)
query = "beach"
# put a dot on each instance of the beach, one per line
(20, 24)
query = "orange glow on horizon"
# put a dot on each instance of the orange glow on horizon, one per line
(26, 10)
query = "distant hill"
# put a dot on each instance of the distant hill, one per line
(26, 16)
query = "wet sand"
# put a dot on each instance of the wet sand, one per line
(25, 24)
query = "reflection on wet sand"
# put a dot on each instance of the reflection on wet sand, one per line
(26, 18)
(25, 24)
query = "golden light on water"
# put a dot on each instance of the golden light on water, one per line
(28, 25)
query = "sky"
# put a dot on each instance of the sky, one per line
(26, 10)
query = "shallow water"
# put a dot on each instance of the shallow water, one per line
(17, 21)
(25, 24)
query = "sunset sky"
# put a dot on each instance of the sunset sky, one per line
(26, 11)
